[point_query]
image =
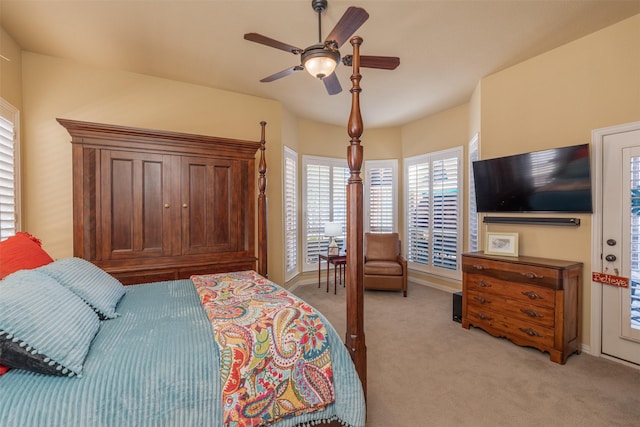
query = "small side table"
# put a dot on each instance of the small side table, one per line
(338, 261)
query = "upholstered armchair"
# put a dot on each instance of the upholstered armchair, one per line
(384, 267)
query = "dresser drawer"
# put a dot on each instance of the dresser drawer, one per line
(512, 308)
(513, 272)
(528, 294)
(521, 332)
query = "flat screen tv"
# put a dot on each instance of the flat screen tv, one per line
(556, 180)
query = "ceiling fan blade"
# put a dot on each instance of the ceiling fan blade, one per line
(332, 84)
(368, 61)
(259, 38)
(352, 19)
(282, 74)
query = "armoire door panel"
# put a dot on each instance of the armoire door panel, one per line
(133, 204)
(152, 206)
(210, 205)
(121, 205)
(221, 214)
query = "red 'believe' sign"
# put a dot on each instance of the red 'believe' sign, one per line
(608, 279)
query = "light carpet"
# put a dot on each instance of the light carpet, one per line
(424, 369)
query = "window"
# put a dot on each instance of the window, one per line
(324, 200)
(433, 211)
(473, 212)
(9, 161)
(290, 212)
(380, 196)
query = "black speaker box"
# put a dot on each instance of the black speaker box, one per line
(457, 307)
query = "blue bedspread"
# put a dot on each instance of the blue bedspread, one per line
(155, 365)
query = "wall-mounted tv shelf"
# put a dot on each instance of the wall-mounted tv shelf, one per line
(573, 222)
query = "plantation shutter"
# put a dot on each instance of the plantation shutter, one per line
(291, 211)
(8, 175)
(473, 212)
(433, 212)
(381, 199)
(419, 214)
(445, 213)
(325, 200)
(318, 197)
(339, 197)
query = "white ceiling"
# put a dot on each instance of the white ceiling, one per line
(445, 47)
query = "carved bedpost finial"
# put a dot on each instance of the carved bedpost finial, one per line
(355, 127)
(262, 206)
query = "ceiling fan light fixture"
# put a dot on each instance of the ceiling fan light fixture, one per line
(319, 60)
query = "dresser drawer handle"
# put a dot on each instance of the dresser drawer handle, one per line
(530, 332)
(478, 266)
(531, 295)
(483, 284)
(483, 316)
(481, 300)
(532, 275)
(532, 313)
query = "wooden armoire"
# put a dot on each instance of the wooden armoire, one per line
(153, 205)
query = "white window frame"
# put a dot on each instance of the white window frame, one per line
(290, 213)
(473, 234)
(370, 166)
(10, 178)
(429, 159)
(337, 206)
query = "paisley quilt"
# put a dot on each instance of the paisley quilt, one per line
(274, 351)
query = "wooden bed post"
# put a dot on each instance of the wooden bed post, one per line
(262, 207)
(355, 340)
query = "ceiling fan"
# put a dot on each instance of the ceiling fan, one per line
(321, 59)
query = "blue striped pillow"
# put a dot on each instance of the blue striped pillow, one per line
(43, 326)
(95, 286)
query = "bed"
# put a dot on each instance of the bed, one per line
(221, 348)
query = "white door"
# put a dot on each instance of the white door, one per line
(621, 245)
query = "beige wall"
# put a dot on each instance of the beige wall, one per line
(557, 99)
(55, 88)
(475, 111)
(319, 139)
(10, 71)
(440, 131)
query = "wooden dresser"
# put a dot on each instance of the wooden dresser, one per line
(531, 301)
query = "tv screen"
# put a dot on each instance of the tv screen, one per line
(556, 180)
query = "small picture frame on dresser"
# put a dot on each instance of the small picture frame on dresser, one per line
(505, 244)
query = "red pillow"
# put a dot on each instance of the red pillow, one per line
(21, 252)
(3, 369)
